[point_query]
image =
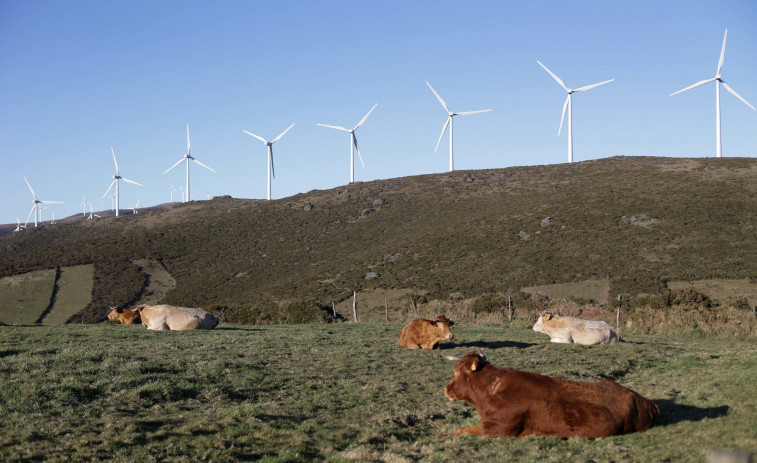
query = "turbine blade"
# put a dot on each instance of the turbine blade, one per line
(592, 86)
(722, 54)
(30, 215)
(203, 165)
(366, 117)
(131, 181)
(728, 87)
(334, 127)
(51, 202)
(562, 118)
(111, 186)
(444, 129)
(273, 170)
(187, 138)
(360, 156)
(180, 161)
(701, 82)
(30, 188)
(282, 133)
(439, 98)
(114, 159)
(562, 84)
(256, 136)
(468, 113)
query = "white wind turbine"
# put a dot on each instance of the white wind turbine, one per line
(353, 142)
(717, 79)
(36, 208)
(116, 182)
(569, 106)
(187, 157)
(134, 209)
(182, 193)
(91, 213)
(19, 227)
(84, 205)
(172, 190)
(450, 115)
(269, 144)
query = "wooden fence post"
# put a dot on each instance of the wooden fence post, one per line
(617, 314)
(509, 308)
(354, 305)
(333, 308)
(386, 310)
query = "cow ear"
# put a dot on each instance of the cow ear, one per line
(549, 316)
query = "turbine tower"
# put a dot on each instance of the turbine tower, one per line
(187, 157)
(116, 182)
(172, 190)
(449, 123)
(718, 80)
(269, 144)
(84, 205)
(36, 208)
(569, 106)
(353, 142)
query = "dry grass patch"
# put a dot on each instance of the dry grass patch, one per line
(23, 298)
(73, 293)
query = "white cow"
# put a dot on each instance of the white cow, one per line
(568, 329)
(169, 317)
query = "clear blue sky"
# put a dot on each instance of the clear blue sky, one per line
(80, 77)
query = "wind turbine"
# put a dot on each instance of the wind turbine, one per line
(182, 193)
(449, 123)
(718, 80)
(353, 142)
(269, 144)
(187, 157)
(19, 227)
(172, 190)
(569, 106)
(116, 182)
(134, 209)
(36, 208)
(91, 213)
(84, 205)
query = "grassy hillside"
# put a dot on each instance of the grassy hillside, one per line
(636, 222)
(341, 392)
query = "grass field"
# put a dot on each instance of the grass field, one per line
(23, 298)
(591, 290)
(74, 293)
(341, 392)
(722, 291)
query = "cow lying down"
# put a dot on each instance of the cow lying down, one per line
(125, 316)
(169, 317)
(518, 403)
(568, 329)
(425, 334)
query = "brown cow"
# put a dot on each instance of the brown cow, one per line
(125, 316)
(425, 334)
(518, 403)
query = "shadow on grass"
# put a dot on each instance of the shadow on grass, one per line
(673, 413)
(488, 345)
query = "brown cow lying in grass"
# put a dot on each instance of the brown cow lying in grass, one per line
(568, 329)
(518, 403)
(169, 317)
(425, 334)
(125, 316)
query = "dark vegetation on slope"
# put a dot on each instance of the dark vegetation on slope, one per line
(467, 232)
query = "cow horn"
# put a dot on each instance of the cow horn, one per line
(453, 358)
(481, 353)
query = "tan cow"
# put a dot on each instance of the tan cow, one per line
(568, 329)
(169, 317)
(125, 316)
(425, 334)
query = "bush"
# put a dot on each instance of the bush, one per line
(488, 303)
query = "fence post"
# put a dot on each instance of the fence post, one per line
(333, 309)
(617, 315)
(354, 305)
(509, 308)
(386, 310)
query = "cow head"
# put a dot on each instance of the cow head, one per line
(543, 317)
(125, 316)
(459, 387)
(442, 325)
(114, 311)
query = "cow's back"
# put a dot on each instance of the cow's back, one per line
(168, 317)
(414, 334)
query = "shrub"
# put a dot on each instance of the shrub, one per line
(488, 303)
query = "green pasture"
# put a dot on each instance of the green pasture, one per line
(342, 392)
(74, 291)
(23, 298)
